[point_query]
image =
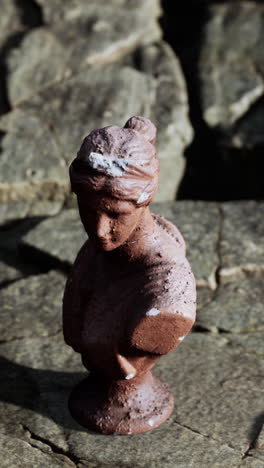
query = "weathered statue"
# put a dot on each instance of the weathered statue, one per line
(131, 296)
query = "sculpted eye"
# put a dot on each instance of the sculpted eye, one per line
(113, 214)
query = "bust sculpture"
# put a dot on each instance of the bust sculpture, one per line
(131, 296)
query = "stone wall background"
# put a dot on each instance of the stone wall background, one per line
(219, 44)
(196, 69)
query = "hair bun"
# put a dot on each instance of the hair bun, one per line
(143, 126)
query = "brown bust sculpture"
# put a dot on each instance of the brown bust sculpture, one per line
(131, 295)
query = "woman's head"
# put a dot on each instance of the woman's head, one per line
(115, 177)
(118, 162)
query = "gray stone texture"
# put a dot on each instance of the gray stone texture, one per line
(10, 20)
(60, 236)
(170, 112)
(231, 71)
(124, 91)
(77, 34)
(206, 428)
(241, 246)
(16, 453)
(32, 306)
(44, 134)
(8, 273)
(236, 307)
(94, 63)
(217, 379)
(13, 211)
(32, 166)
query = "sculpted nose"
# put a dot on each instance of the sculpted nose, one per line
(103, 226)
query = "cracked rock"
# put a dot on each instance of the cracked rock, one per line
(241, 246)
(31, 165)
(228, 388)
(149, 82)
(78, 34)
(209, 429)
(31, 307)
(231, 68)
(113, 93)
(237, 307)
(16, 453)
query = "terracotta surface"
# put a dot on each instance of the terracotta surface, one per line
(131, 297)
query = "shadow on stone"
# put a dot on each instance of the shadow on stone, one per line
(31, 13)
(31, 17)
(255, 431)
(41, 391)
(12, 42)
(214, 169)
(12, 253)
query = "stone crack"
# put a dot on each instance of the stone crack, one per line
(205, 436)
(50, 446)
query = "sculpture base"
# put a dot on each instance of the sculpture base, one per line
(121, 406)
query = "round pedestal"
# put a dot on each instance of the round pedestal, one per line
(121, 406)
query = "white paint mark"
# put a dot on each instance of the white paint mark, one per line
(151, 422)
(153, 312)
(144, 196)
(109, 165)
(130, 376)
(181, 338)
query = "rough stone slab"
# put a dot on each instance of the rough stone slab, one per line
(250, 462)
(168, 446)
(31, 307)
(56, 11)
(258, 451)
(170, 113)
(80, 33)
(10, 20)
(31, 165)
(8, 273)
(218, 394)
(218, 388)
(231, 68)
(19, 210)
(199, 222)
(60, 236)
(204, 297)
(248, 131)
(16, 453)
(47, 369)
(37, 375)
(250, 342)
(241, 246)
(237, 307)
(113, 93)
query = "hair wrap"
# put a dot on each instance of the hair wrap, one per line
(120, 162)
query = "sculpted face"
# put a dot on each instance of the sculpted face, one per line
(109, 222)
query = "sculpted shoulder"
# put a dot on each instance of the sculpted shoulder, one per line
(171, 240)
(167, 309)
